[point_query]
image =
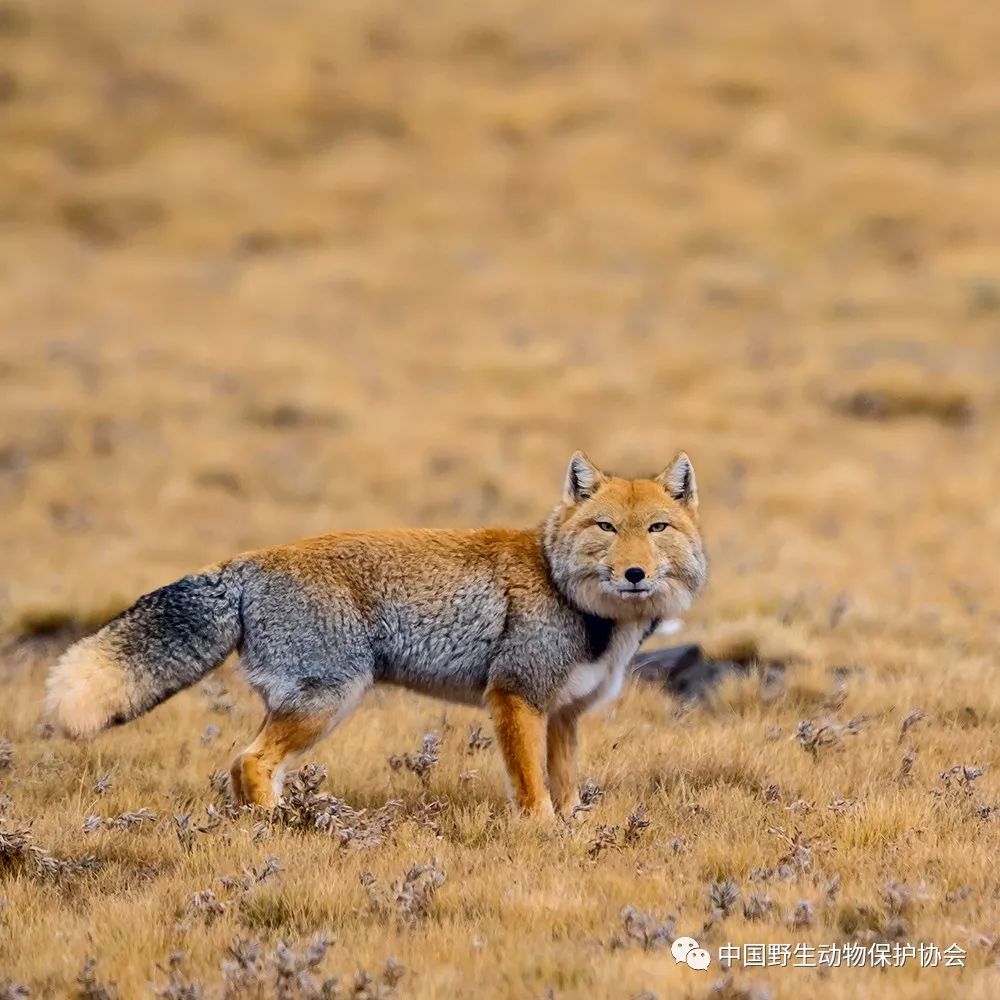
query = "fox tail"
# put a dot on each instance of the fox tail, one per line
(166, 641)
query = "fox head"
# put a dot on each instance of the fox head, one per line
(627, 549)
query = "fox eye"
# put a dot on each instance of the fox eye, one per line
(606, 526)
(659, 526)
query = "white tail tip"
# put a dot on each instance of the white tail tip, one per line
(85, 690)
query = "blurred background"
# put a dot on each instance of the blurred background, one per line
(280, 268)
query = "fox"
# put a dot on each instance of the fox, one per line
(537, 624)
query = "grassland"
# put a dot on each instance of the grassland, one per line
(299, 267)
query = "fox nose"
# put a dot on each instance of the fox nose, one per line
(634, 574)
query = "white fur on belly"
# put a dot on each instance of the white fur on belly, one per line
(592, 684)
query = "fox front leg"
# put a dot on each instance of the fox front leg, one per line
(520, 730)
(562, 754)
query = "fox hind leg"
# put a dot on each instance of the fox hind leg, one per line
(258, 773)
(520, 730)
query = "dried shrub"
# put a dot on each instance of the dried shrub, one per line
(757, 907)
(900, 900)
(89, 987)
(906, 766)
(590, 794)
(124, 821)
(428, 813)
(605, 838)
(958, 780)
(20, 856)
(252, 876)
(802, 916)
(220, 701)
(207, 907)
(220, 783)
(797, 859)
(909, 721)
(727, 988)
(408, 900)
(645, 930)
(722, 897)
(367, 987)
(900, 399)
(423, 761)
(637, 823)
(188, 831)
(251, 972)
(477, 741)
(206, 904)
(814, 737)
(305, 807)
(178, 986)
(284, 974)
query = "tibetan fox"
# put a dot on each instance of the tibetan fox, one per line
(538, 624)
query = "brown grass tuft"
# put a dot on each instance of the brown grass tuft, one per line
(899, 396)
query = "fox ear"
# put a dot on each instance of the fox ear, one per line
(678, 480)
(582, 478)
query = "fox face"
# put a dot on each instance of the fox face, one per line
(628, 549)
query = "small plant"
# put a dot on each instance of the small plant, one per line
(305, 807)
(178, 986)
(285, 974)
(722, 897)
(605, 838)
(802, 916)
(9, 990)
(252, 876)
(814, 737)
(727, 988)
(590, 794)
(477, 741)
(188, 831)
(423, 761)
(959, 779)
(644, 929)
(637, 823)
(909, 721)
(250, 972)
(900, 900)
(215, 692)
(409, 899)
(19, 855)
(798, 857)
(124, 821)
(906, 766)
(757, 907)
(89, 987)
(207, 905)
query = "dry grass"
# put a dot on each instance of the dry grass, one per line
(315, 266)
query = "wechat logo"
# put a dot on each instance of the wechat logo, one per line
(687, 951)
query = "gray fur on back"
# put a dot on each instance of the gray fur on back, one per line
(307, 642)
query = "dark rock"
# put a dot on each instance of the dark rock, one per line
(683, 671)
